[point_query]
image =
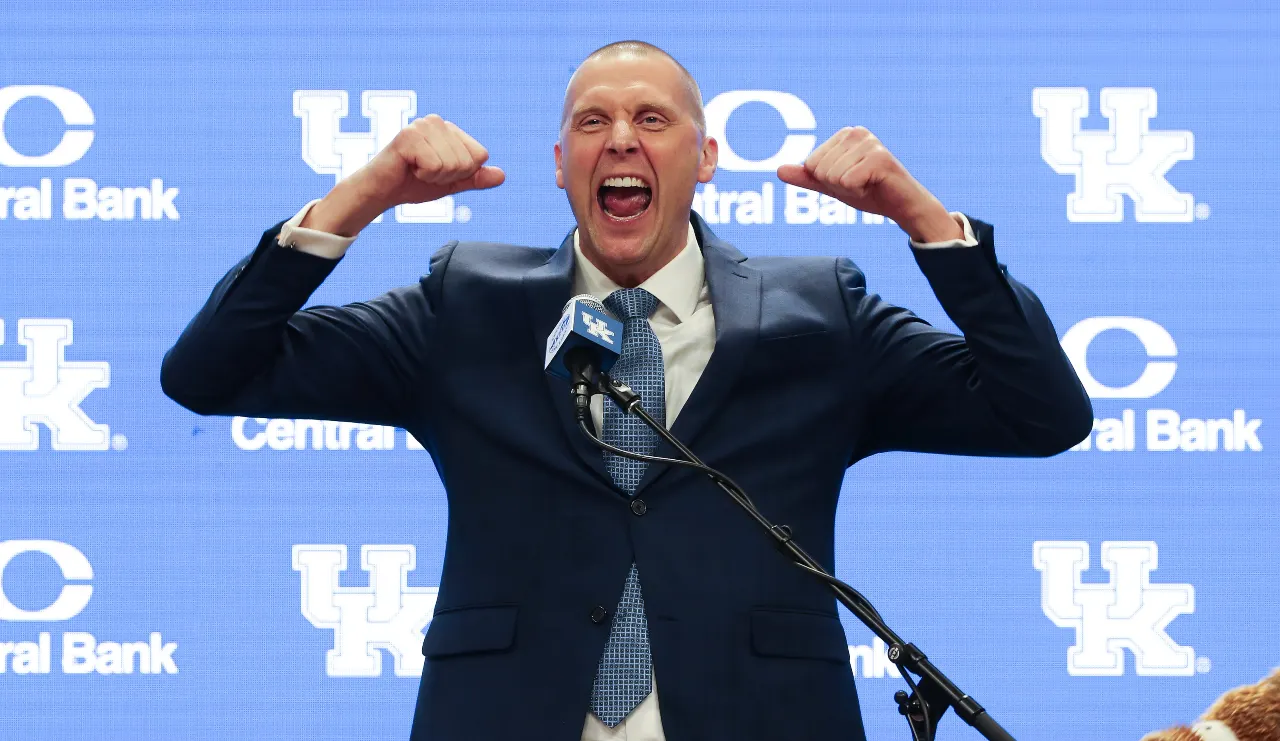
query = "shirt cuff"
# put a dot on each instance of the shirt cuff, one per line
(312, 241)
(969, 239)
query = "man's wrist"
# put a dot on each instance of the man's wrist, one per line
(936, 225)
(343, 212)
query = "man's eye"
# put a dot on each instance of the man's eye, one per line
(652, 119)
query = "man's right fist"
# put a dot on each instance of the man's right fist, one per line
(430, 158)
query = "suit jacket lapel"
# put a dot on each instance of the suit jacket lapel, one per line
(547, 288)
(735, 300)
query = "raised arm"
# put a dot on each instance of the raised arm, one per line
(251, 350)
(1004, 388)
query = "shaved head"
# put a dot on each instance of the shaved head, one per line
(633, 146)
(633, 50)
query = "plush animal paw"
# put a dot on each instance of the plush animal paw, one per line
(1250, 713)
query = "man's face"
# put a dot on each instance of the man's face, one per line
(629, 156)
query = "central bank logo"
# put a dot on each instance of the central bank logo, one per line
(330, 151)
(73, 597)
(47, 389)
(1128, 611)
(1126, 159)
(387, 615)
(757, 203)
(82, 198)
(1156, 341)
(796, 116)
(81, 652)
(73, 108)
(1165, 429)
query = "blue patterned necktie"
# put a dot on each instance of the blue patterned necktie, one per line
(623, 676)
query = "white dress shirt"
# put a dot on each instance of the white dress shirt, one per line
(685, 325)
(683, 320)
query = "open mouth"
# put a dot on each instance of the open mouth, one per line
(624, 198)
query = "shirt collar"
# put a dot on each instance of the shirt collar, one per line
(678, 284)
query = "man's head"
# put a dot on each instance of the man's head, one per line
(632, 148)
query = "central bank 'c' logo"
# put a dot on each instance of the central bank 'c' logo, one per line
(70, 601)
(795, 113)
(330, 151)
(1155, 339)
(75, 112)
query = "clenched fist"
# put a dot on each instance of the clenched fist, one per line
(429, 159)
(855, 168)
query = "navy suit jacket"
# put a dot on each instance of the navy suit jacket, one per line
(810, 373)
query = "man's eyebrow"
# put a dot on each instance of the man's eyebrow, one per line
(666, 109)
(591, 108)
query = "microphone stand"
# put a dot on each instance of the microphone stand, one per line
(930, 696)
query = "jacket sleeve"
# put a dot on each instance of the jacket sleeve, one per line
(253, 351)
(1004, 388)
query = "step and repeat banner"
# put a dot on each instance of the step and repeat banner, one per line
(165, 575)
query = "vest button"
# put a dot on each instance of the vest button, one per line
(598, 614)
(638, 507)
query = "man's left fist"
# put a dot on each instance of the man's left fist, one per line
(855, 168)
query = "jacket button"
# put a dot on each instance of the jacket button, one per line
(638, 507)
(598, 614)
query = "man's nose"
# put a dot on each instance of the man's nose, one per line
(622, 137)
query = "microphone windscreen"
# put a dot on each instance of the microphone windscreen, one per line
(584, 323)
(589, 300)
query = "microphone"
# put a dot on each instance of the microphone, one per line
(585, 342)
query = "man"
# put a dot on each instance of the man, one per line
(572, 580)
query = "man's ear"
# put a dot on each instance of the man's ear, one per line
(559, 170)
(709, 159)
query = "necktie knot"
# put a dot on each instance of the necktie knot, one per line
(631, 303)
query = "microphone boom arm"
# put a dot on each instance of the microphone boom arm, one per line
(930, 696)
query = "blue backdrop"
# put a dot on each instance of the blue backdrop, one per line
(164, 575)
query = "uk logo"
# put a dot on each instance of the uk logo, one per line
(387, 615)
(1126, 612)
(1126, 159)
(47, 389)
(330, 151)
(597, 327)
